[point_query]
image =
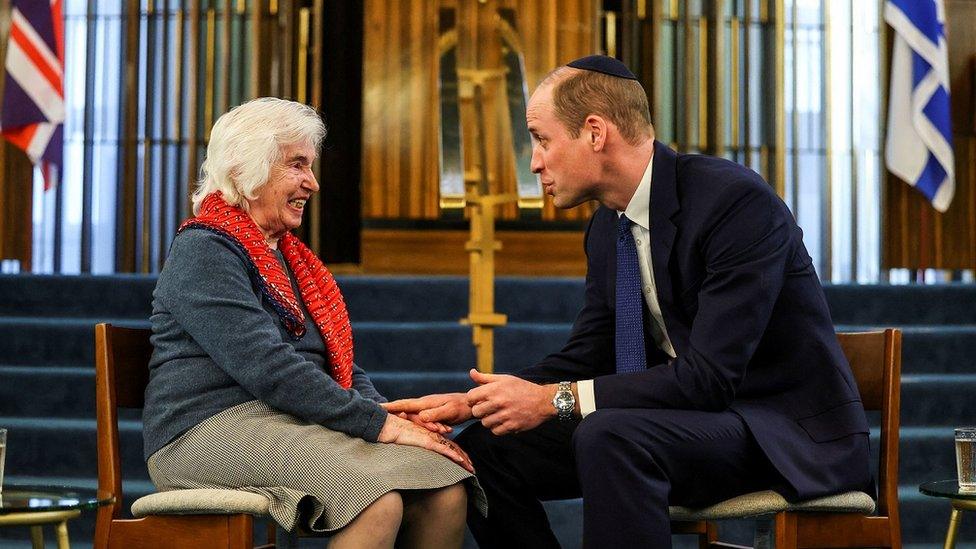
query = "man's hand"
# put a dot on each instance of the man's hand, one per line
(448, 408)
(508, 404)
(432, 426)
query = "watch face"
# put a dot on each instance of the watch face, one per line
(564, 401)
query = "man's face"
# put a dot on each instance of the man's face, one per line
(281, 201)
(565, 164)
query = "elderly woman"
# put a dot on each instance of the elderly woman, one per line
(252, 381)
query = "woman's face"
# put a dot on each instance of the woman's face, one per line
(281, 201)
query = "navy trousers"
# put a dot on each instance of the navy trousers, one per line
(627, 464)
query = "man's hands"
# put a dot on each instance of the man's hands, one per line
(448, 408)
(504, 404)
(397, 430)
(508, 404)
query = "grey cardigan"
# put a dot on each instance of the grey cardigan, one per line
(218, 343)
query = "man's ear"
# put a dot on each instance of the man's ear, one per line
(597, 127)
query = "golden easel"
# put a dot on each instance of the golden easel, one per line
(481, 78)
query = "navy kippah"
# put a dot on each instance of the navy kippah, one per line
(604, 64)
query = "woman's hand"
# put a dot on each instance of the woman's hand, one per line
(397, 430)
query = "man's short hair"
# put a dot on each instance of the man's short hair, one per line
(577, 94)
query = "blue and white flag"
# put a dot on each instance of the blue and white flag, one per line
(919, 143)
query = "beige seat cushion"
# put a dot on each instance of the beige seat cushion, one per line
(200, 502)
(768, 502)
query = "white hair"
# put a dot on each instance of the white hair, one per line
(246, 142)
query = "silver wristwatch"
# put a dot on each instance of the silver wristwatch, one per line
(564, 401)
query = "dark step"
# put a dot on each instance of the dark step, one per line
(69, 392)
(54, 391)
(442, 345)
(938, 399)
(115, 296)
(902, 304)
(412, 298)
(40, 341)
(59, 447)
(67, 447)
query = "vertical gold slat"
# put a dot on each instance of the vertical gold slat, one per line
(240, 65)
(301, 91)
(147, 202)
(853, 152)
(795, 118)
(318, 17)
(318, 9)
(414, 125)
(127, 259)
(177, 121)
(641, 9)
(716, 53)
(165, 140)
(192, 79)
(702, 82)
(610, 33)
(779, 152)
(286, 64)
(886, 250)
(257, 50)
(747, 46)
(225, 64)
(971, 248)
(689, 78)
(656, 59)
(827, 213)
(208, 106)
(734, 81)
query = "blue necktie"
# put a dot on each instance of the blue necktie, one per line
(629, 323)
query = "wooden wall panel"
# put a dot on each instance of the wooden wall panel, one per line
(916, 236)
(400, 124)
(400, 156)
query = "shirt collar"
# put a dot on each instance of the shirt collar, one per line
(638, 210)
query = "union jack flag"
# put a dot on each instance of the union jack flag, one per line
(33, 100)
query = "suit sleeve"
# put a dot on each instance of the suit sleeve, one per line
(588, 352)
(745, 247)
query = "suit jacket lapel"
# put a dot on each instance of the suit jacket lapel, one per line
(664, 204)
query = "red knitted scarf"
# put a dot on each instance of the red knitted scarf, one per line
(316, 284)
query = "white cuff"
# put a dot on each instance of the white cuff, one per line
(587, 400)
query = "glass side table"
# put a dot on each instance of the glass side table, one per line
(961, 501)
(36, 506)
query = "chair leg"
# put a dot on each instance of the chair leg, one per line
(709, 537)
(785, 531)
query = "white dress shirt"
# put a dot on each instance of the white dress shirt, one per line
(638, 211)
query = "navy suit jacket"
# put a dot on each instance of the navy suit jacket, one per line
(746, 313)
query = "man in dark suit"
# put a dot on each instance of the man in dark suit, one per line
(703, 364)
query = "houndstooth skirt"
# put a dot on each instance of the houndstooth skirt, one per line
(311, 474)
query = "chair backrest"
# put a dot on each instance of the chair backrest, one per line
(121, 374)
(875, 359)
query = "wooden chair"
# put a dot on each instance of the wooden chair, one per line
(834, 521)
(180, 518)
